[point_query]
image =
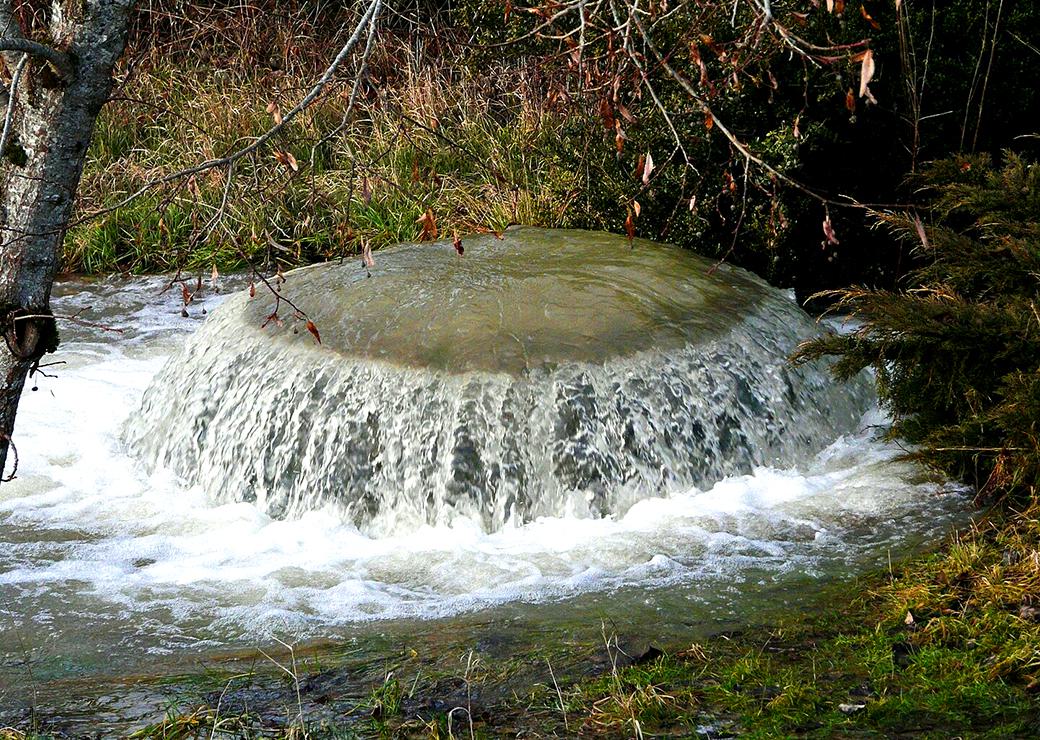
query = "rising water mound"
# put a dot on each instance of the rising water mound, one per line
(541, 374)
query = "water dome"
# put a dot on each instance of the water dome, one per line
(542, 373)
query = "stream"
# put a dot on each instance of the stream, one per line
(108, 571)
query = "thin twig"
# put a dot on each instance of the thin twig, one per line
(12, 100)
(70, 319)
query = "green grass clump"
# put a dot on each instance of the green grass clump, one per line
(947, 646)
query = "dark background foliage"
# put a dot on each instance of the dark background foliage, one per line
(859, 155)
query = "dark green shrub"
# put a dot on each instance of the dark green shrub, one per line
(957, 353)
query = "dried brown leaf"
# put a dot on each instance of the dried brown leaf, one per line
(828, 231)
(428, 222)
(276, 113)
(869, 18)
(314, 331)
(866, 73)
(286, 159)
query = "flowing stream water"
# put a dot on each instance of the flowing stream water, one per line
(552, 428)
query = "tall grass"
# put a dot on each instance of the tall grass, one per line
(479, 150)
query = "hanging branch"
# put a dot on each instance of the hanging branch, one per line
(724, 130)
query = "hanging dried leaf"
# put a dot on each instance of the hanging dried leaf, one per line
(850, 101)
(185, 295)
(626, 113)
(866, 73)
(868, 18)
(693, 203)
(630, 228)
(636, 207)
(839, 7)
(640, 165)
(366, 257)
(457, 243)
(828, 231)
(648, 167)
(428, 222)
(287, 159)
(709, 121)
(276, 113)
(830, 6)
(314, 331)
(509, 11)
(921, 234)
(606, 114)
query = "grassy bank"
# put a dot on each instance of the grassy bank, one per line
(945, 645)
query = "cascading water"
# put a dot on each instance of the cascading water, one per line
(544, 373)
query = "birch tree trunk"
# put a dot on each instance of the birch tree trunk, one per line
(50, 115)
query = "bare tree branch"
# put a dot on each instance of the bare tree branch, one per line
(59, 60)
(733, 139)
(368, 18)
